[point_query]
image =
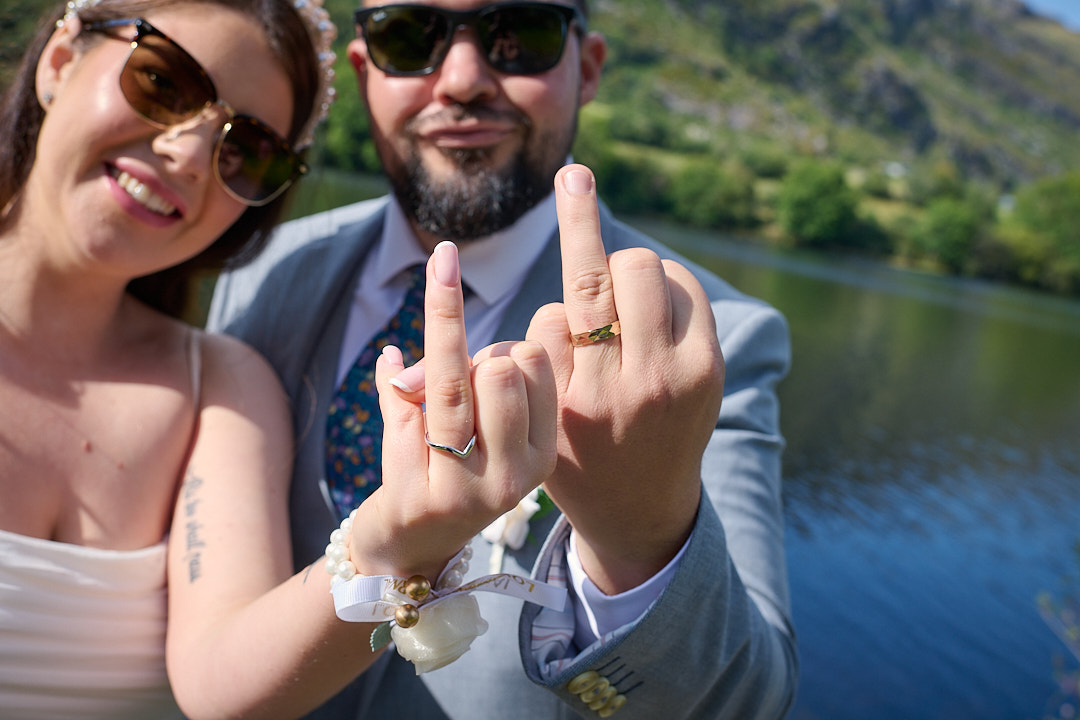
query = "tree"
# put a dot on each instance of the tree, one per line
(948, 232)
(816, 206)
(709, 196)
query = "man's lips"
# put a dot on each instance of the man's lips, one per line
(474, 126)
(467, 135)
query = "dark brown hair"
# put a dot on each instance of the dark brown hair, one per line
(21, 117)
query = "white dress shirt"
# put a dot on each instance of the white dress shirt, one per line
(493, 268)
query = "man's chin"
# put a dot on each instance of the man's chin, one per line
(461, 202)
(455, 164)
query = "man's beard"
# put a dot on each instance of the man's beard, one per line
(475, 202)
(478, 199)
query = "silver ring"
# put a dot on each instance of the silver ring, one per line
(453, 450)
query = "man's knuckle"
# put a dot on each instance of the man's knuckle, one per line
(633, 260)
(590, 285)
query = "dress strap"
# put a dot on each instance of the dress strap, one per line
(194, 346)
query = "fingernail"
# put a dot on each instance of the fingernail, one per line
(578, 182)
(393, 355)
(447, 270)
(410, 379)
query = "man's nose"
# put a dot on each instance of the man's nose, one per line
(465, 75)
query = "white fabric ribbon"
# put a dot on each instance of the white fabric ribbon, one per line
(363, 599)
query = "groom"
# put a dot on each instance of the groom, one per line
(669, 530)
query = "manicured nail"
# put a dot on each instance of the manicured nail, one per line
(410, 379)
(578, 182)
(447, 270)
(393, 355)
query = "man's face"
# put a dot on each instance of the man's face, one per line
(469, 149)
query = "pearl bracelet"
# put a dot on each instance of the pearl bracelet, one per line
(339, 563)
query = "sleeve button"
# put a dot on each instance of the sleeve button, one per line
(590, 695)
(583, 682)
(612, 707)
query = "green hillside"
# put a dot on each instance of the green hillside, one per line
(983, 84)
(931, 112)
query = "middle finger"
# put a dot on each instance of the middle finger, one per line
(448, 390)
(587, 289)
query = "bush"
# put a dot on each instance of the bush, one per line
(877, 185)
(765, 160)
(629, 184)
(948, 232)
(993, 259)
(1051, 208)
(705, 195)
(816, 207)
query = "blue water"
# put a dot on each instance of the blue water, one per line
(932, 485)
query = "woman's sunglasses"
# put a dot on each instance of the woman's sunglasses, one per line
(518, 38)
(166, 87)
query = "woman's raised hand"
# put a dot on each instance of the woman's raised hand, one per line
(435, 497)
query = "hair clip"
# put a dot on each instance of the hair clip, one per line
(73, 9)
(323, 33)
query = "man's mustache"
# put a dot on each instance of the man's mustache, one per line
(464, 112)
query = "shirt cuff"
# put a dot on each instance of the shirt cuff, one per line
(596, 614)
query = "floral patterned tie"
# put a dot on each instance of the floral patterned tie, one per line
(354, 426)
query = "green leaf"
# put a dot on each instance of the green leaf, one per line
(380, 636)
(546, 505)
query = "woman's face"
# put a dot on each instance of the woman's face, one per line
(118, 194)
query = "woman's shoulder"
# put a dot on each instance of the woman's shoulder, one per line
(232, 371)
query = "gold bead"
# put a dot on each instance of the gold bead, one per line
(407, 616)
(417, 587)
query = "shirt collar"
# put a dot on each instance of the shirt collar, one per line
(492, 266)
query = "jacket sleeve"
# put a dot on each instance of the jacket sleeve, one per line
(718, 642)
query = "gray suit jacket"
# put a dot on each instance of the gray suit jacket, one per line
(717, 643)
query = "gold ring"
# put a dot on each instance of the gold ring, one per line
(594, 336)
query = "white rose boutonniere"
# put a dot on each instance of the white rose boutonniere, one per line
(444, 633)
(512, 528)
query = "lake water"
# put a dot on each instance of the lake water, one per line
(932, 486)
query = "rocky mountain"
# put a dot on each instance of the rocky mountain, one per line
(984, 86)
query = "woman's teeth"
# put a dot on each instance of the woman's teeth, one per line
(143, 195)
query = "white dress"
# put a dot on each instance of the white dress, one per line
(82, 630)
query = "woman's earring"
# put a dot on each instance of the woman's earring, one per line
(47, 98)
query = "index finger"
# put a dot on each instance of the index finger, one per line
(447, 383)
(587, 289)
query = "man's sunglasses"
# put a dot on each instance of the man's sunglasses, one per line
(518, 38)
(166, 87)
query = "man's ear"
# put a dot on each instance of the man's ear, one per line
(358, 58)
(56, 61)
(593, 55)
